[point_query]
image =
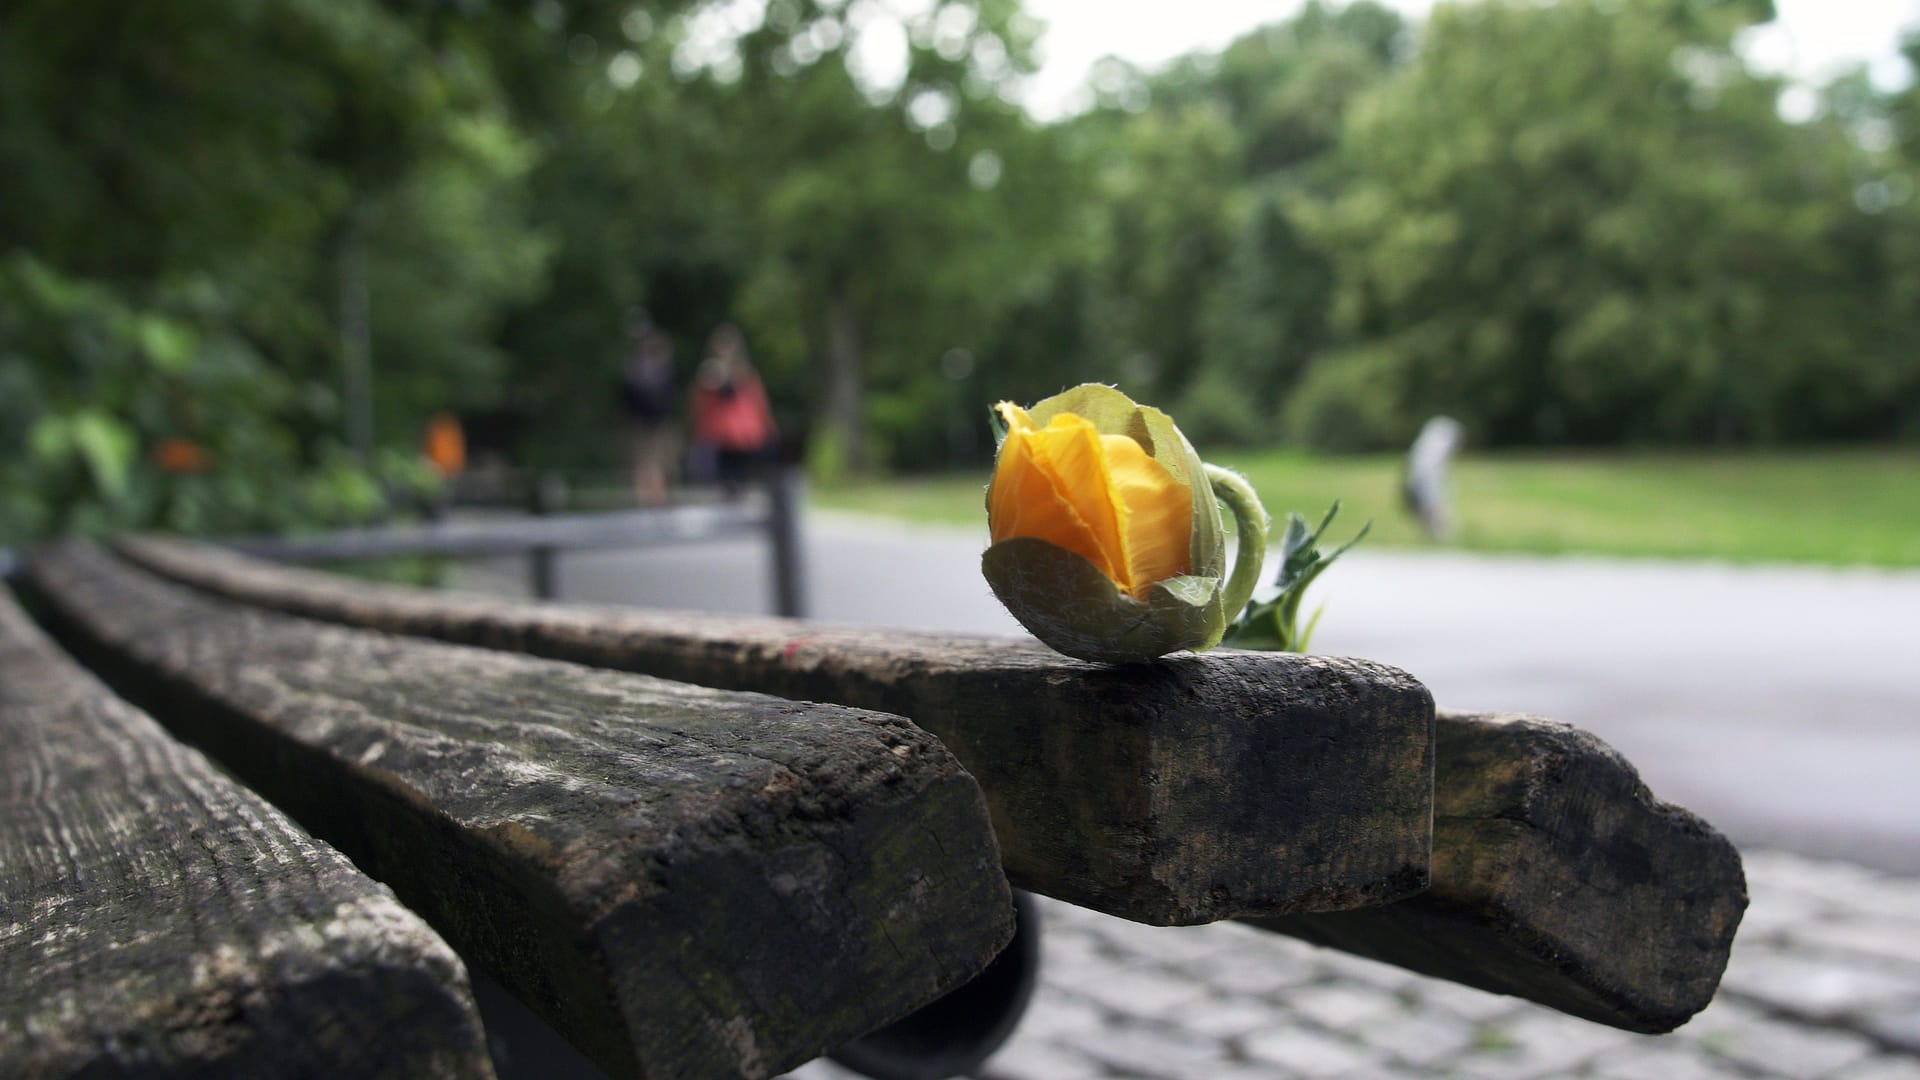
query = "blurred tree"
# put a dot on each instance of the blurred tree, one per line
(1261, 326)
(236, 175)
(1169, 208)
(1589, 223)
(1207, 296)
(847, 183)
(118, 416)
(1890, 233)
(1287, 86)
(1578, 222)
(889, 191)
(622, 190)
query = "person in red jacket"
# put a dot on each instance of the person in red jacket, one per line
(731, 418)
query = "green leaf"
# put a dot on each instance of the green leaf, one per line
(1258, 633)
(107, 446)
(1306, 636)
(1273, 622)
(50, 440)
(1294, 546)
(167, 343)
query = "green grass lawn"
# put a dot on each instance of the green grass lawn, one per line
(1842, 507)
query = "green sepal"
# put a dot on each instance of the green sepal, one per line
(1074, 608)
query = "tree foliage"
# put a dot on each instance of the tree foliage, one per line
(1588, 223)
(178, 180)
(1583, 222)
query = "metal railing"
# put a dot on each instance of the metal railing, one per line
(770, 508)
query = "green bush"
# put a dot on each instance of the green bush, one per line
(1351, 400)
(116, 415)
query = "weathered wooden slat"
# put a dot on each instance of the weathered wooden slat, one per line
(157, 919)
(685, 882)
(1557, 877)
(1190, 789)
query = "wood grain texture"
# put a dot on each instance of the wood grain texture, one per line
(1190, 789)
(685, 882)
(1557, 877)
(156, 919)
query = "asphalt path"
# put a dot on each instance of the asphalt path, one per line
(1781, 703)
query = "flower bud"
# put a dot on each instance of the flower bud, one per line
(1107, 536)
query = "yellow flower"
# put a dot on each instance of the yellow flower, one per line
(1107, 539)
(1098, 496)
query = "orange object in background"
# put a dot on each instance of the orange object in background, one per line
(180, 456)
(445, 444)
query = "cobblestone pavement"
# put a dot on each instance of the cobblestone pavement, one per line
(1824, 982)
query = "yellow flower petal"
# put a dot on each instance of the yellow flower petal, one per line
(1025, 500)
(1086, 521)
(1102, 497)
(1069, 451)
(1157, 518)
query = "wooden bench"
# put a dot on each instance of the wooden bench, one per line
(1198, 789)
(1559, 878)
(682, 881)
(714, 881)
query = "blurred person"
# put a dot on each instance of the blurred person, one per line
(649, 398)
(1424, 485)
(731, 418)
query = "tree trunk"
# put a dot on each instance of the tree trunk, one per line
(356, 335)
(846, 384)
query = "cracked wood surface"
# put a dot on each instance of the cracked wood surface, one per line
(1194, 788)
(1559, 878)
(685, 882)
(157, 919)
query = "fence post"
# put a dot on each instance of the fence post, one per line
(784, 486)
(549, 496)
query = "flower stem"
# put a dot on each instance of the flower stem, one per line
(1251, 519)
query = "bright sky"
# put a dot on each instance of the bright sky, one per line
(1810, 40)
